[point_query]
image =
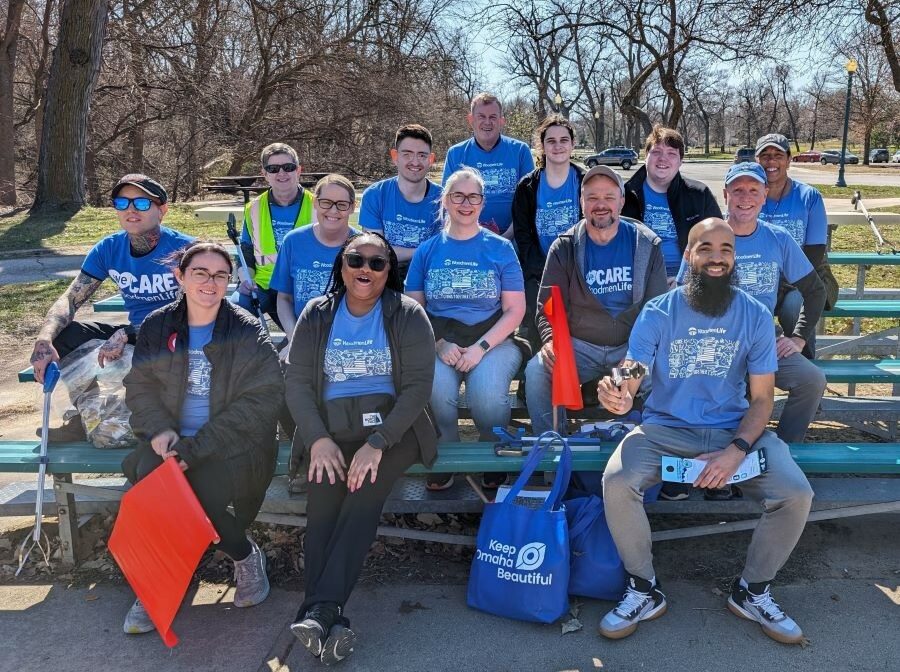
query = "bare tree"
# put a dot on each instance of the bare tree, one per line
(884, 16)
(9, 41)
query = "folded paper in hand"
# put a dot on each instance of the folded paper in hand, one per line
(685, 470)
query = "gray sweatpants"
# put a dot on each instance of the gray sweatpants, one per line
(783, 491)
(805, 384)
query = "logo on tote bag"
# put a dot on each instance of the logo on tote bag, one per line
(529, 558)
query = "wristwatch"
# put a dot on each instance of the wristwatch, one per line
(377, 441)
(743, 445)
(484, 345)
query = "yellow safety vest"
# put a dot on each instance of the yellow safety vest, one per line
(258, 219)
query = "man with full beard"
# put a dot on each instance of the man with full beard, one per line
(703, 343)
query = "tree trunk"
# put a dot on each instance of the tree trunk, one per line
(867, 146)
(40, 75)
(9, 41)
(73, 73)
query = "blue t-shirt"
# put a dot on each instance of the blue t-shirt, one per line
(609, 269)
(502, 167)
(283, 219)
(195, 408)
(698, 364)
(145, 282)
(658, 217)
(801, 213)
(404, 224)
(762, 259)
(358, 355)
(303, 267)
(557, 209)
(463, 279)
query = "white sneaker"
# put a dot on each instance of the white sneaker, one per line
(643, 601)
(137, 621)
(760, 607)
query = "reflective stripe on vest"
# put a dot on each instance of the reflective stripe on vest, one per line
(259, 218)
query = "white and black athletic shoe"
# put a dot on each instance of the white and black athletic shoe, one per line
(754, 602)
(315, 626)
(643, 601)
(339, 644)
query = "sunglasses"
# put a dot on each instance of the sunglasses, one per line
(458, 198)
(356, 260)
(273, 168)
(325, 204)
(140, 203)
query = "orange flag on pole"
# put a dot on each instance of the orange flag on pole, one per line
(160, 534)
(566, 388)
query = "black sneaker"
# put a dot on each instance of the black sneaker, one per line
(339, 644)
(643, 601)
(755, 603)
(439, 481)
(675, 492)
(70, 430)
(493, 480)
(725, 494)
(316, 623)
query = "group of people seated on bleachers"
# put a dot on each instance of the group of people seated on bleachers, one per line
(371, 368)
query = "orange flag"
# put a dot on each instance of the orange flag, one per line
(160, 534)
(566, 388)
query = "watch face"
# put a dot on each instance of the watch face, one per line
(485, 345)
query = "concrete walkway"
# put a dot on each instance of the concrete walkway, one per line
(852, 624)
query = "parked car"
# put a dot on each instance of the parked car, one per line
(614, 156)
(880, 155)
(745, 154)
(834, 156)
(812, 156)
(896, 157)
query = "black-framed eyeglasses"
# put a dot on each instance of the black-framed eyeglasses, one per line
(356, 260)
(141, 203)
(273, 168)
(458, 198)
(326, 203)
(202, 276)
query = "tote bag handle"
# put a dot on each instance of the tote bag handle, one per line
(563, 470)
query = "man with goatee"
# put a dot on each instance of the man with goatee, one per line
(705, 343)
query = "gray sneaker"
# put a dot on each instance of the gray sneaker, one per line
(251, 582)
(137, 621)
(755, 603)
(643, 601)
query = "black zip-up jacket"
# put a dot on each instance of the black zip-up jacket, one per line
(524, 214)
(412, 360)
(690, 201)
(245, 396)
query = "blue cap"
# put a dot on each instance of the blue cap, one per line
(746, 169)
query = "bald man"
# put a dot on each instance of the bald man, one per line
(704, 343)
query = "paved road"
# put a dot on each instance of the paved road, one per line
(42, 267)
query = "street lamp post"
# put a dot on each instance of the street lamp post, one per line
(598, 133)
(851, 68)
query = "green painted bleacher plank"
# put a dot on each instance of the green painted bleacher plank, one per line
(864, 258)
(26, 375)
(865, 308)
(813, 458)
(860, 371)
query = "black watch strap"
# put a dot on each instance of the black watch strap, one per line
(743, 445)
(484, 345)
(377, 441)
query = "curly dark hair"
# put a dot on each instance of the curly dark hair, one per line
(336, 281)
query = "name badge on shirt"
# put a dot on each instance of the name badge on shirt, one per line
(371, 419)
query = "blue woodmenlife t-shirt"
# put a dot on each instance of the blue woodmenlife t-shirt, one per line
(658, 217)
(195, 408)
(358, 355)
(762, 259)
(501, 167)
(303, 267)
(699, 363)
(801, 213)
(557, 208)
(463, 279)
(404, 224)
(609, 269)
(146, 282)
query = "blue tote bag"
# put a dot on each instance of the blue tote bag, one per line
(521, 564)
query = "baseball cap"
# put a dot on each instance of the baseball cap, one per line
(149, 186)
(605, 171)
(746, 169)
(776, 140)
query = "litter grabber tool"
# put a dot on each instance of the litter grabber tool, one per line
(244, 272)
(622, 373)
(51, 377)
(880, 241)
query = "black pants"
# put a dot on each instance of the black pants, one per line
(341, 526)
(211, 483)
(79, 333)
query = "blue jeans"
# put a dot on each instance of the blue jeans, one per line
(487, 392)
(267, 302)
(788, 313)
(591, 361)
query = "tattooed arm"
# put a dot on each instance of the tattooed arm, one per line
(113, 348)
(58, 318)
